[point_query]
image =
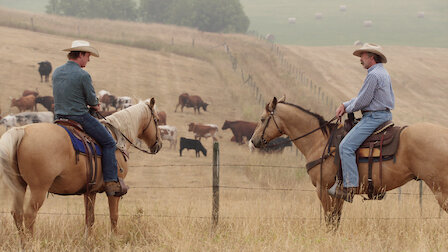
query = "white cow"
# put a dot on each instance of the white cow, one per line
(169, 133)
(124, 102)
(25, 118)
(9, 121)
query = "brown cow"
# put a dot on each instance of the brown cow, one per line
(196, 102)
(30, 92)
(108, 100)
(162, 117)
(24, 103)
(103, 114)
(191, 101)
(46, 101)
(240, 129)
(183, 101)
(203, 130)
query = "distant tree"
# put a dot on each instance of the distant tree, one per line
(110, 9)
(156, 10)
(206, 15)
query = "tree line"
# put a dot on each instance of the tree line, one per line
(205, 15)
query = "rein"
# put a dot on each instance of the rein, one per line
(311, 164)
(271, 115)
(127, 139)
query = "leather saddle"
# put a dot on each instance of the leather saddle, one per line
(381, 146)
(89, 147)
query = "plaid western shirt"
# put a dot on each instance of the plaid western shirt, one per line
(376, 92)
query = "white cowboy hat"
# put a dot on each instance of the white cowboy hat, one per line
(82, 46)
(372, 48)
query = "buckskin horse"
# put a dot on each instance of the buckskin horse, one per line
(42, 157)
(421, 154)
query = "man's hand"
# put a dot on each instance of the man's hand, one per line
(340, 111)
(96, 108)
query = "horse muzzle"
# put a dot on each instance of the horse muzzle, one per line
(256, 142)
(156, 147)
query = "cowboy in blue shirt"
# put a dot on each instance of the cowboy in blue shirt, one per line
(73, 92)
(375, 100)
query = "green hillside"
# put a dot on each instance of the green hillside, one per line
(393, 22)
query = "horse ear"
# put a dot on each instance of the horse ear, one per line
(272, 105)
(151, 103)
(283, 99)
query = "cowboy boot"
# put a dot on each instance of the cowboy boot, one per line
(346, 193)
(116, 188)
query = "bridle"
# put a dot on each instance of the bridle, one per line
(271, 115)
(153, 117)
(156, 124)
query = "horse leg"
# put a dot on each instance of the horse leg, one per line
(332, 209)
(113, 212)
(17, 211)
(36, 201)
(89, 203)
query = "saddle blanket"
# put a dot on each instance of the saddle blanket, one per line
(78, 145)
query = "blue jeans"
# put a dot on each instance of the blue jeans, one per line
(98, 132)
(351, 142)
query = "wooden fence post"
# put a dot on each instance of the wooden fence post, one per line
(421, 196)
(215, 211)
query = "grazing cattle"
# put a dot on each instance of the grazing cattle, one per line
(102, 92)
(108, 100)
(46, 101)
(30, 92)
(103, 114)
(162, 117)
(192, 144)
(191, 101)
(203, 130)
(240, 129)
(25, 118)
(183, 101)
(196, 102)
(44, 70)
(24, 103)
(277, 145)
(124, 102)
(169, 133)
(9, 121)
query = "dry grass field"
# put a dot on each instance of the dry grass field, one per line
(266, 201)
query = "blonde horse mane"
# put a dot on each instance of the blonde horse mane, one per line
(128, 121)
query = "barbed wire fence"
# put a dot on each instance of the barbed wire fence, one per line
(216, 188)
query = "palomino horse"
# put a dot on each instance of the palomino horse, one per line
(419, 155)
(42, 157)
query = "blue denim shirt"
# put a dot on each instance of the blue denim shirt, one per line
(376, 92)
(72, 90)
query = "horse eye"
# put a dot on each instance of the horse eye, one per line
(262, 120)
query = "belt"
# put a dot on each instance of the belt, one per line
(366, 111)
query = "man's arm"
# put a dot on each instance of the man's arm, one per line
(91, 98)
(365, 95)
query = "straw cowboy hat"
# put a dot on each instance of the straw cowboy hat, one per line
(372, 48)
(82, 46)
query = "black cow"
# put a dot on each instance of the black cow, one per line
(190, 144)
(277, 145)
(44, 70)
(46, 101)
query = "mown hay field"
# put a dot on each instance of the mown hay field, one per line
(267, 202)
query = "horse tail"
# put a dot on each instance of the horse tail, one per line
(9, 169)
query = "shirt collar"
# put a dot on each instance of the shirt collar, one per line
(70, 62)
(375, 66)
